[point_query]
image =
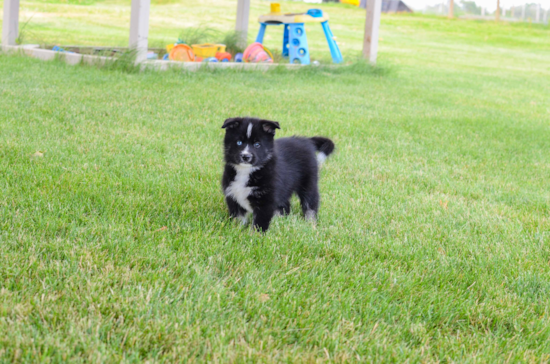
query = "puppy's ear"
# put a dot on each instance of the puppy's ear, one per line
(269, 126)
(231, 123)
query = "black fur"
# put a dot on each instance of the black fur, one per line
(261, 173)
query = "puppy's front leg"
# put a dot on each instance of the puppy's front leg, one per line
(235, 210)
(262, 217)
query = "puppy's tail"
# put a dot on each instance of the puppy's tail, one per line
(324, 146)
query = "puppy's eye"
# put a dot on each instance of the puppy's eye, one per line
(256, 145)
(239, 142)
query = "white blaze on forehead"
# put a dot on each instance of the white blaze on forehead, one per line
(249, 130)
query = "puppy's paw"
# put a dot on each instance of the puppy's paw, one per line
(311, 215)
(243, 219)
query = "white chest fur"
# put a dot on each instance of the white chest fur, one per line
(238, 188)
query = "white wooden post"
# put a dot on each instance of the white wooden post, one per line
(372, 25)
(538, 13)
(10, 24)
(523, 13)
(241, 26)
(139, 28)
(546, 17)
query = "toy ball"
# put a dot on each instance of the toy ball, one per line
(59, 49)
(165, 57)
(223, 56)
(257, 53)
(182, 53)
(210, 59)
(238, 57)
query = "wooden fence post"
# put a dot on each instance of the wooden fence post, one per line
(10, 24)
(241, 26)
(372, 25)
(139, 28)
(451, 9)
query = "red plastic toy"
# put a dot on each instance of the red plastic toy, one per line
(223, 56)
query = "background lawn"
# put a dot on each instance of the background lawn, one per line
(433, 237)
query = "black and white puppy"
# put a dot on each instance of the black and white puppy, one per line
(261, 173)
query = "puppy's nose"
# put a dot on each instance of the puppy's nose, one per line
(246, 157)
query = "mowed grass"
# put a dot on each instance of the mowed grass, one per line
(432, 243)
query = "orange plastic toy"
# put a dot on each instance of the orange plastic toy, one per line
(182, 53)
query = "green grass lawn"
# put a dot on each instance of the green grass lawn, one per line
(432, 243)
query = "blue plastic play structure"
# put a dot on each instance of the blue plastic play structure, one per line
(294, 37)
(295, 43)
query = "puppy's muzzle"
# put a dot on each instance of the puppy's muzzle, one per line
(246, 157)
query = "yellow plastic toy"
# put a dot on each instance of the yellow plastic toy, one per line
(276, 17)
(208, 50)
(351, 2)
